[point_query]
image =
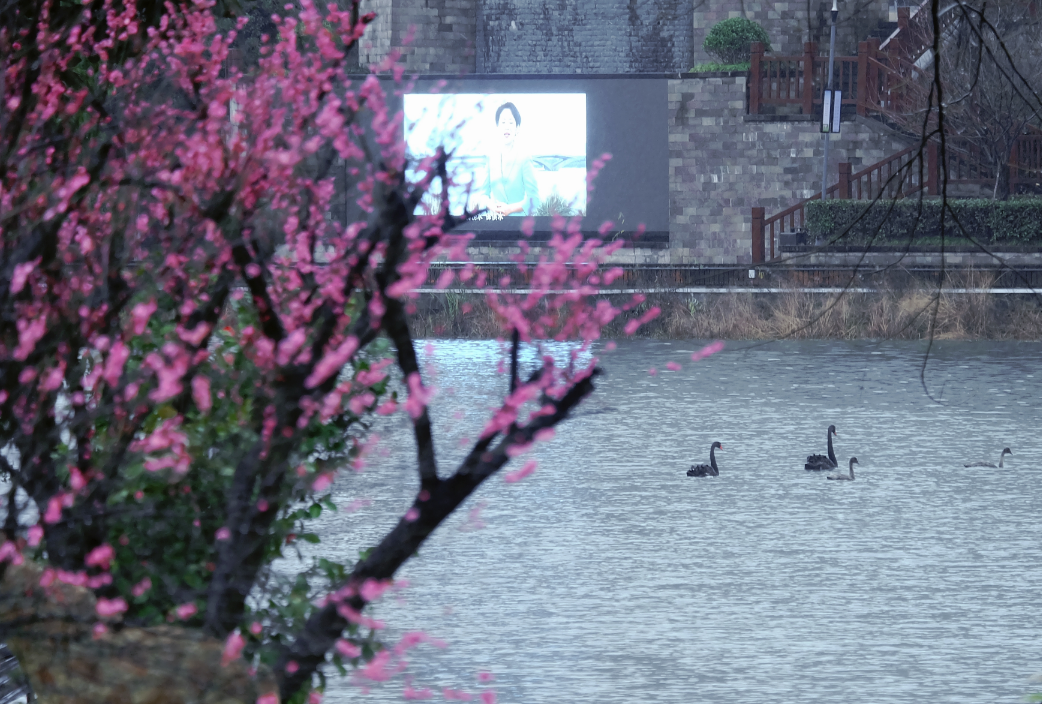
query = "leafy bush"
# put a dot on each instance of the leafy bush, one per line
(714, 66)
(1017, 221)
(730, 40)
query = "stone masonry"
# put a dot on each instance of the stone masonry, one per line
(594, 36)
(790, 23)
(720, 163)
(441, 34)
(721, 166)
(584, 36)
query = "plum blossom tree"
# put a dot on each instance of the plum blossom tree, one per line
(190, 341)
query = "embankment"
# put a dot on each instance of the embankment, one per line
(883, 311)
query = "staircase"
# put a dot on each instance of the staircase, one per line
(876, 84)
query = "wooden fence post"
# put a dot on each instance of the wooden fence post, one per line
(755, 84)
(901, 42)
(758, 242)
(933, 188)
(844, 180)
(862, 78)
(810, 50)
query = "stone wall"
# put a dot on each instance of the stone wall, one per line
(440, 34)
(790, 23)
(595, 36)
(721, 166)
(584, 36)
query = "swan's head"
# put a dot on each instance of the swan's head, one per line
(853, 461)
(832, 431)
(717, 446)
(1006, 451)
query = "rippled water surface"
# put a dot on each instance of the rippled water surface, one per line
(609, 576)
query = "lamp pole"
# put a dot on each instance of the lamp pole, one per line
(828, 118)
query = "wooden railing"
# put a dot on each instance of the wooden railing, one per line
(901, 175)
(872, 81)
(897, 176)
(914, 34)
(883, 79)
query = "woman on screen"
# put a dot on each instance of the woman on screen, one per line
(510, 188)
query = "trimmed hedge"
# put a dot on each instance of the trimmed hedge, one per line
(714, 67)
(731, 40)
(1017, 221)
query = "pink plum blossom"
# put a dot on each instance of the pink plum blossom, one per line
(100, 556)
(348, 649)
(709, 350)
(201, 393)
(107, 608)
(526, 470)
(141, 587)
(140, 314)
(9, 553)
(233, 646)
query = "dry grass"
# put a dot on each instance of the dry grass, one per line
(892, 312)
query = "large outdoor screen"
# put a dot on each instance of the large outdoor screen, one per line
(513, 154)
(522, 146)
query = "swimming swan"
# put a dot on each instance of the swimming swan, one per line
(819, 462)
(850, 477)
(707, 470)
(1005, 451)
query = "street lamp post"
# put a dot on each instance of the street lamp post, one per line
(827, 118)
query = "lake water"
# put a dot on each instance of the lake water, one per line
(609, 576)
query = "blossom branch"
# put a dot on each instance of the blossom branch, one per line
(430, 508)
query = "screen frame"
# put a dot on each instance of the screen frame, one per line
(633, 186)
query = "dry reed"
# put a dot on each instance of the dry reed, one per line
(889, 311)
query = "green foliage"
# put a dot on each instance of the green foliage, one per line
(163, 524)
(715, 67)
(731, 40)
(911, 221)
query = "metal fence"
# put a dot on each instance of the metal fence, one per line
(666, 278)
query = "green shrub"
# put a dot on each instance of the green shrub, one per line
(730, 40)
(714, 67)
(912, 221)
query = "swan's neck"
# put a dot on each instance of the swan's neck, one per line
(712, 458)
(1001, 457)
(832, 454)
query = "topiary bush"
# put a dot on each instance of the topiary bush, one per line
(731, 40)
(1015, 222)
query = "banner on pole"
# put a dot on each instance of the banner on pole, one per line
(833, 101)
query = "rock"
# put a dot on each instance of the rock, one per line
(51, 632)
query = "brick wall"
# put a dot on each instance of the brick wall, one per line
(721, 166)
(584, 36)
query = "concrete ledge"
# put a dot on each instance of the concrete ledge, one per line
(715, 74)
(780, 118)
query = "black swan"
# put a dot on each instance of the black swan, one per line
(819, 462)
(850, 477)
(707, 470)
(1005, 451)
